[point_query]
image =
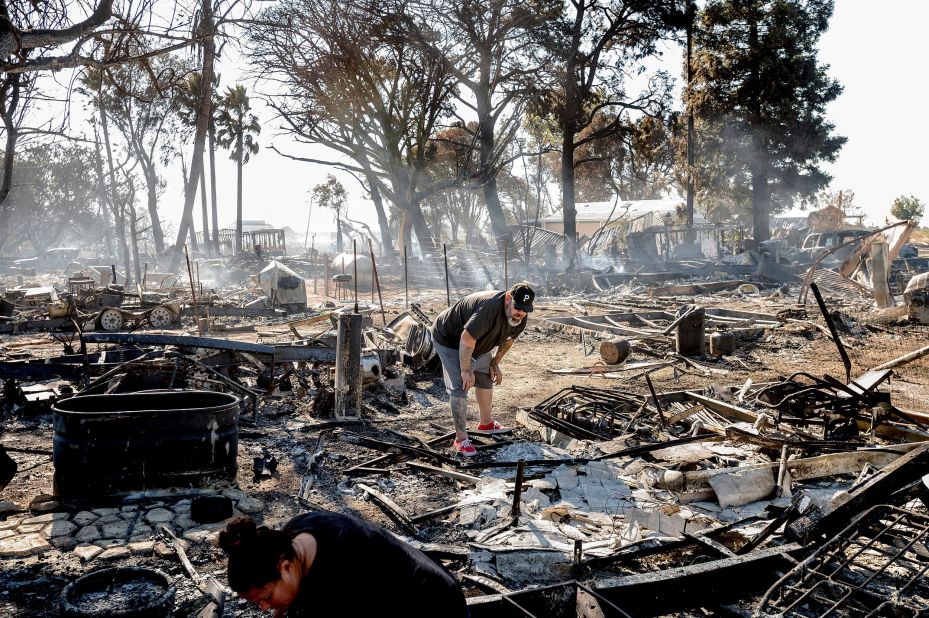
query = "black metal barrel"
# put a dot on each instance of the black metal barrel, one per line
(118, 443)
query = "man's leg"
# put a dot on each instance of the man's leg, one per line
(485, 398)
(483, 387)
(458, 398)
(460, 416)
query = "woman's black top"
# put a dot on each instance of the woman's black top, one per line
(362, 570)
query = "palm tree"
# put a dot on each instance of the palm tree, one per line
(237, 129)
(331, 195)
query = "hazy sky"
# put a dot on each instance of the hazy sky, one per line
(875, 50)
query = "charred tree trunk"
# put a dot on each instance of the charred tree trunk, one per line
(203, 121)
(211, 133)
(119, 212)
(101, 195)
(9, 99)
(761, 195)
(569, 212)
(489, 188)
(151, 182)
(207, 245)
(387, 240)
(238, 189)
(133, 227)
(406, 231)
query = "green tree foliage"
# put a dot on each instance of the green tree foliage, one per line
(237, 129)
(635, 161)
(52, 199)
(908, 207)
(331, 195)
(760, 96)
(587, 54)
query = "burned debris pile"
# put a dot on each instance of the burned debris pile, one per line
(687, 438)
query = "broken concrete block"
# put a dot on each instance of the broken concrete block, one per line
(29, 528)
(108, 543)
(199, 536)
(742, 487)
(64, 543)
(87, 552)
(23, 545)
(83, 518)
(88, 534)
(10, 524)
(109, 519)
(105, 511)
(159, 516)
(116, 530)
(234, 494)
(114, 553)
(45, 518)
(142, 548)
(59, 528)
(251, 506)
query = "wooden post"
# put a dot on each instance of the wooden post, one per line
(879, 267)
(348, 366)
(518, 489)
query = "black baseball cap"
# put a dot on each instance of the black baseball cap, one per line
(523, 295)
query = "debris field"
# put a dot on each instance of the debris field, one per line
(745, 436)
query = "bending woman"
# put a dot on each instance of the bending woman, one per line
(329, 564)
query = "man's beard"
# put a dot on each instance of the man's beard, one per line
(514, 321)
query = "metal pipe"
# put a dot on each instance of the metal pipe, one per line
(355, 267)
(377, 282)
(518, 490)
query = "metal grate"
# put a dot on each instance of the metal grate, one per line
(875, 567)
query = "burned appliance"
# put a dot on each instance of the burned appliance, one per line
(916, 296)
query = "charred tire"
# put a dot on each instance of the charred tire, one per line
(149, 594)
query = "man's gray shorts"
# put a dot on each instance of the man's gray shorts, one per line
(451, 370)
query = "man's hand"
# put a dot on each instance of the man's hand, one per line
(467, 379)
(495, 374)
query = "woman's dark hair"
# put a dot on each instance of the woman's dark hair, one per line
(254, 553)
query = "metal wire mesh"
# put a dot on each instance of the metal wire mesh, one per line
(890, 338)
(875, 567)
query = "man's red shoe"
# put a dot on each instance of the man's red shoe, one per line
(493, 427)
(465, 448)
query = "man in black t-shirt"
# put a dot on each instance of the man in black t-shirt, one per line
(464, 337)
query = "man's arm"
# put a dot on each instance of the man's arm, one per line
(501, 351)
(465, 352)
(495, 374)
